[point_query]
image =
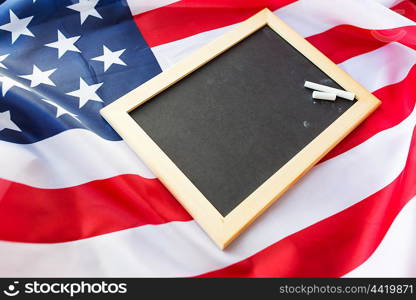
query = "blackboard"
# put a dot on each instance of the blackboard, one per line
(231, 128)
(241, 117)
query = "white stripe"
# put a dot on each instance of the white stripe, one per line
(171, 53)
(182, 249)
(310, 17)
(387, 65)
(141, 6)
(395, 256)
(78, 156)
(389, 3)
(70, 158)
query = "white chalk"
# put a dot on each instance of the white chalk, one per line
(324, 88)
(324, 96)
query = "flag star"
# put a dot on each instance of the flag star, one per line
(86, 92)
(37, 77)
(86, 8)
(3, 57)
(7, 83)
(17, 26)
(6, 122)
(64, 44)
(109, 57)
(60, 111)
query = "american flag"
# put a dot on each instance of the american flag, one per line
(75, 200)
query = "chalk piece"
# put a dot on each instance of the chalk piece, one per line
(324, 88)
(324, 96)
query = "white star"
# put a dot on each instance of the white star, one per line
(64, 44)
(37, 77)
(86, 92)
(3, 57)
(6, 122)
(86, 8)
(60, 110)
(17, 26)
(109, 58)
(7, 83)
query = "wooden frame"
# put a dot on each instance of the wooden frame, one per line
(224, 229)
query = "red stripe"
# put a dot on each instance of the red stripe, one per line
(336, 245)
(188, 17)
(126, 201)
(345, 41)
(407, 9)
(30, 214)
(398, 101)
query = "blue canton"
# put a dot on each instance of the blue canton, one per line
(61, 61)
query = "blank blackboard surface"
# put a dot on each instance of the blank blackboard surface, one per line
(234, 122)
